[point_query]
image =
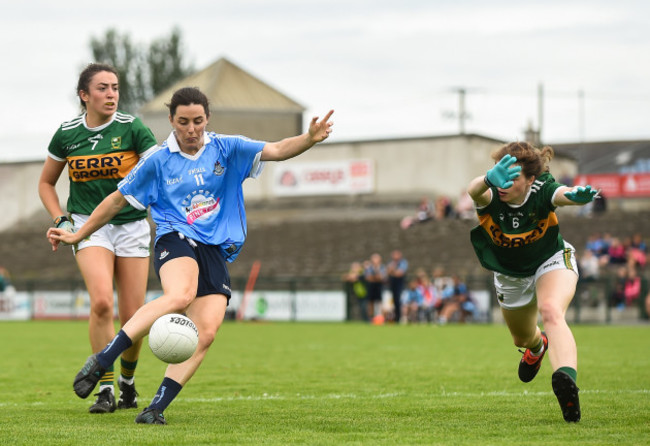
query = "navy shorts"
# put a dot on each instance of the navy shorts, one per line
(213, 273)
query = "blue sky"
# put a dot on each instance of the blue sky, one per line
(389, 69)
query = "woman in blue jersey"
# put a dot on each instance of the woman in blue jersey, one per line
(534, 268)
(193, 185)
(99, 147)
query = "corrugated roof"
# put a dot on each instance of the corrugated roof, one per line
(609, 156)
(228, 87)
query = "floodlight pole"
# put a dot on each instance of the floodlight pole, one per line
(461, 110)
(581, 114)
(540, 111)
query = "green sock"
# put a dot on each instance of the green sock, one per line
(127, 370)
(573, 373)
(538, 348)
(107, 379)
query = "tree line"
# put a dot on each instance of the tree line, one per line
(144, 71)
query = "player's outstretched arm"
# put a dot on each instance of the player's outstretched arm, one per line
(102, 214)
(295, 145)
(479, 191)
(576, 196)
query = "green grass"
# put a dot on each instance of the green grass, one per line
(284, 383)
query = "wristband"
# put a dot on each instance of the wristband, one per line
(60, 220)
(487, 182)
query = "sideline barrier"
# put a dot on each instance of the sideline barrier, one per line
(304, 299)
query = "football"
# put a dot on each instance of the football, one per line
(173, 338)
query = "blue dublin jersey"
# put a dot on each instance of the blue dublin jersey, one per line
(198, 195)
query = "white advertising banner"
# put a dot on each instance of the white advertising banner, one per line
(70, 305)
(287, 306)
(61, 304)
(14, 305)
(346, 177)
(261, 305)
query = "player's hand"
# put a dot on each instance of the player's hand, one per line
(582, 195)
(503, 172)
(62, 233)
(320, 130)
(64, 223)
(57, 235)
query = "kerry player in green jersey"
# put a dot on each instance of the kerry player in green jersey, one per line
(534, 269)
(100, 147)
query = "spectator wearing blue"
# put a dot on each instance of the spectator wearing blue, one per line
(412, 303)
(396, 269)
(375, 275)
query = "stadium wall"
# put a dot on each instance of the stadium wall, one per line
(401, 168)
(19, 191)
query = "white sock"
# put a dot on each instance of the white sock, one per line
(126, 381)
(541, 350)
(107, 386)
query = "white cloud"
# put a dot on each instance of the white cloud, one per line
(389, 69)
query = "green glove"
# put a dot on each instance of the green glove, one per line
(582, 195)
(503, 172)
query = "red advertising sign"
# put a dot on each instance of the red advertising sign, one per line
(618, 185)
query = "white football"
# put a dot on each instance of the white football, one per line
(173, 338)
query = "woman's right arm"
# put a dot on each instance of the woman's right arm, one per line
(479, 191)
(47, 186)
(103, 213)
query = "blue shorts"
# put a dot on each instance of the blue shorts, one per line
(213, 273)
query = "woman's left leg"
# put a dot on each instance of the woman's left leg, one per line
(555, 291)
(207, 313)
(131, 276)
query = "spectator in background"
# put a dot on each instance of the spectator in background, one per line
(639, 243)
(5, 279)
(636, 251)
(443, 283)
(616, 252)
(396, 270)
(627, 287)
(632, 285)
(465, 207)
(566, 179)
(423, 214)
(589, 266)
(412, 302)
(617, 298)
(357, 292)
(375, 275)
(599, 204)
(459, 303)
(596, 244)
(443, 208)
(606, 241)
(431, 301)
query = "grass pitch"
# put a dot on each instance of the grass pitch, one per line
(295, 383)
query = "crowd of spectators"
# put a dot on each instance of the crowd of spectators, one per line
(441, 208)
(386, 292)
(624, 258)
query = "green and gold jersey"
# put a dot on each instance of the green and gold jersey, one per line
(98, 158)
(516, 240)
